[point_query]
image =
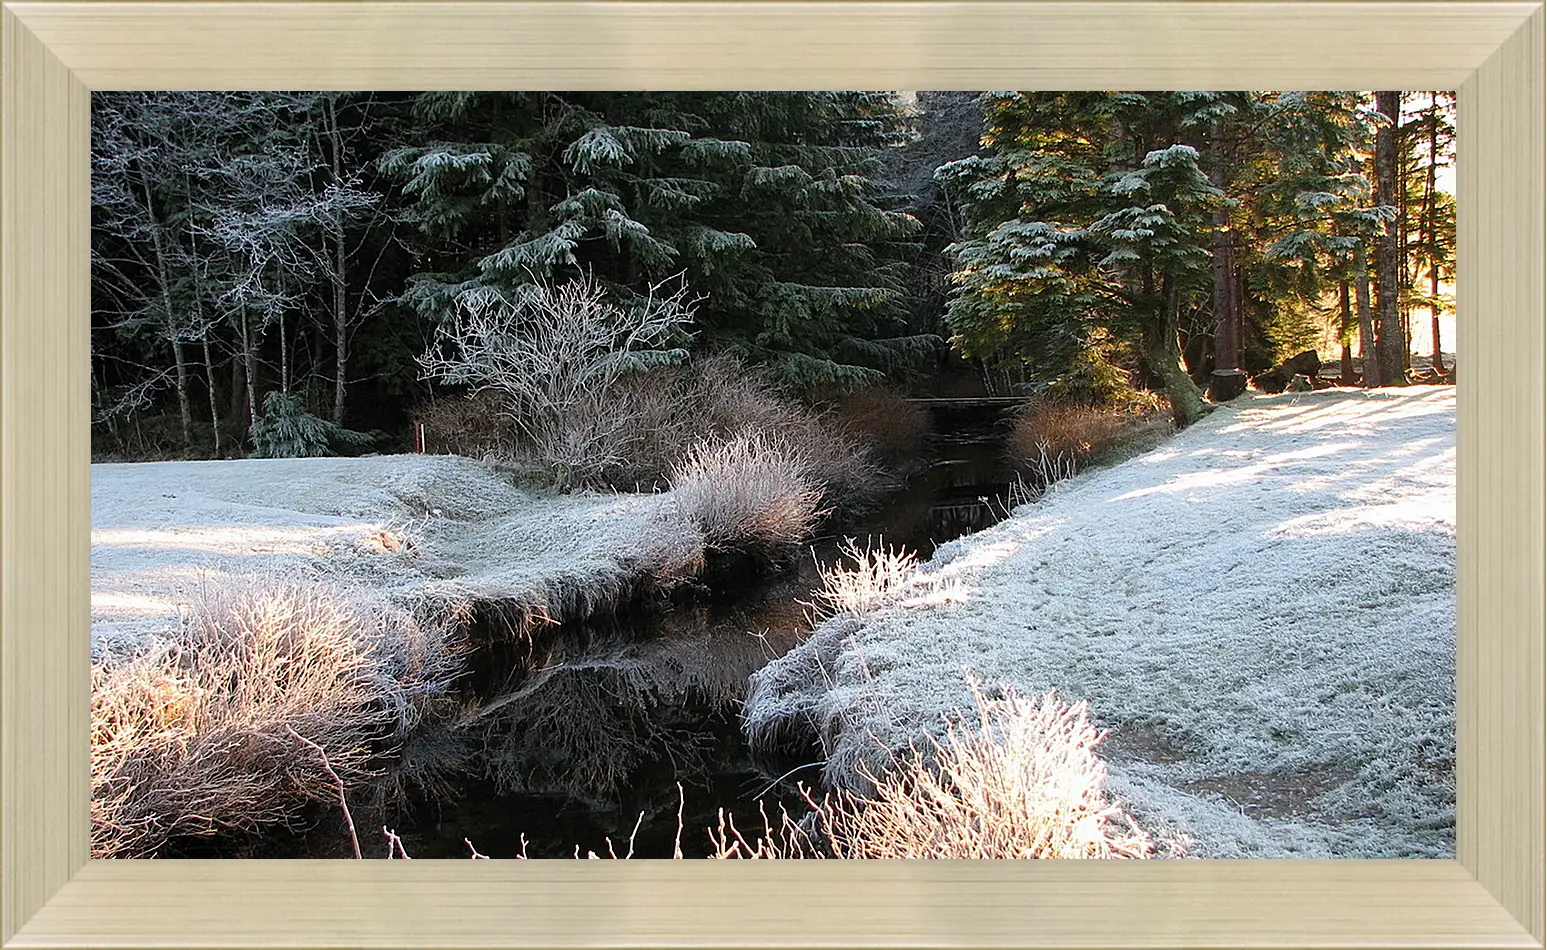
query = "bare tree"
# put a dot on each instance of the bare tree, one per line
(556, 353)
(287, 235)
(343, 205)
(146, 149)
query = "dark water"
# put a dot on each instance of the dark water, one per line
(640, 717)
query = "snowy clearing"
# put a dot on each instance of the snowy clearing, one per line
(408, 526)
(1262, 611)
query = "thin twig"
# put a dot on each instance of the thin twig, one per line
(395, 844)
(327, 766)
(676, 849)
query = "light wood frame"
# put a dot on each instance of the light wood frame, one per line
(53, 53)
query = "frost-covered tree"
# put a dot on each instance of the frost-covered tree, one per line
(556, 354)
(1109, 233)
(1087, 236)
(231, 223)
(1430, 213)
(151, 155)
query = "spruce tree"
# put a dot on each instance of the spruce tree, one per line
(1087, 232)
(769, 203)
(1107, 230)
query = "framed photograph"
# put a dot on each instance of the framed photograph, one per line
(56, 55)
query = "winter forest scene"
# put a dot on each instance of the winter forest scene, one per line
(773, 475)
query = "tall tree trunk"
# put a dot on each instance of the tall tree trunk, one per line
(1390, 343)
(339, 276)
(1163, 359)
(163, 274)
(1431, 200)
(184, 404)
(284, 356)
(1227, 380)
(209, 378)
(238, 388)
(1404, 243)
(1345, 334)
(340, 329)
(1367, 352)
(249, 371)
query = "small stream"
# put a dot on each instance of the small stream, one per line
(622, 712)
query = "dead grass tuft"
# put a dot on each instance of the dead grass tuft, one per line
(214, 730)
(752, 492)
(855, 590)
(1022, 781)
(1063, 430)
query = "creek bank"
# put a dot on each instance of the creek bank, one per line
(605, 648)
(675, 679)
(1266, 601)
(412, 529)
(525, 587)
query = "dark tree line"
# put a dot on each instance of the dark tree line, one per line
(266, 256)
(271, 263)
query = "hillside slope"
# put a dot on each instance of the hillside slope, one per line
(1262, 612)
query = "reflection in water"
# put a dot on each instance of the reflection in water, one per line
(601, 722)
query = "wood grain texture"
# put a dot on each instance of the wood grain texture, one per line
(45, 515)
(1502, 348)
(821, 904)
(50, 896)
(770, 45)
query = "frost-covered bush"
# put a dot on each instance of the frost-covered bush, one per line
(286, 430)
(215, 729)
(1016, 777)
(476, 425)
(557, 354)
(855, 590)
(717, 397)
(752, 492)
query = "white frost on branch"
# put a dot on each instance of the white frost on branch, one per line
(556, 352)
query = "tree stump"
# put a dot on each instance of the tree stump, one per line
(1226, 384)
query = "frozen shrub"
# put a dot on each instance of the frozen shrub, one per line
(855, 590)
(1023, 781)
(752, 492)
(556, 354)
(206, 732)
(716, 398)
(476, 425)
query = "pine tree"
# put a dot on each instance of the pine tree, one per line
(1391, 344)
(1431, 221)
(1087, 232)
(768, 203)
(1103, 226)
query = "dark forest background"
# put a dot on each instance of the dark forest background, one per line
(263, 260)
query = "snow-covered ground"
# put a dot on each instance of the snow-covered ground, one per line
(401, 525)
(1262, 611)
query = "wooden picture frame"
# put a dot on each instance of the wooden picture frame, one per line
(55, 52)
